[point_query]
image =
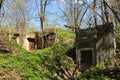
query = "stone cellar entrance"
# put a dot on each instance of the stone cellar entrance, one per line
(86, 59)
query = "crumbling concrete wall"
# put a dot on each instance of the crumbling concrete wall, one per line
(49, 37)
(100, 40)
(105, 46)
(23, 40)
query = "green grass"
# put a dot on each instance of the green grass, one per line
(65, 34)
(43, 64)
(90, 73)
(40, 64)
(10, 43)
(36, 65)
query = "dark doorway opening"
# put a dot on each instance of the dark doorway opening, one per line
(86, 59)
(72, 53)
(31, 44)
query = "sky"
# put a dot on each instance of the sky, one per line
(53, 15)
(56, 14)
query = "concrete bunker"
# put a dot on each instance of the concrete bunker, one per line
(33, 41)
(94, 45)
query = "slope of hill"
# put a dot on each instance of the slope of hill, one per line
(52, 63)
(9, 46)
(48, 63)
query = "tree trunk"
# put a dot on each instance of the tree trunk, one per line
(106, 12)
(102, 11)
(113, 11)
(42, 19)
(95, 10)
(1, 3)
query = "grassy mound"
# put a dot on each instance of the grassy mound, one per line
(10, 44)
(40, 64)
(52, 63)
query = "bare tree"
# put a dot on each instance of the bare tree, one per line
(1, 14)
(1, 3)
(105, 10)
(42, 11)
(42, 15)
(114, 6)
(95, 16)
(17, 14)
(73, 12)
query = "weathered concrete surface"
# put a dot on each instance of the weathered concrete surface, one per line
(99, 40)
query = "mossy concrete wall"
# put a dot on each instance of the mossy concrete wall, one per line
(100, 40)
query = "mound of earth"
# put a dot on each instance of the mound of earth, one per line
(6, 47)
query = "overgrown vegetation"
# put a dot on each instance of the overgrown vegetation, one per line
(97, 72)
(117, 34)
(40, 64)
(50, 62)
(107, 70)
(12, 45)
